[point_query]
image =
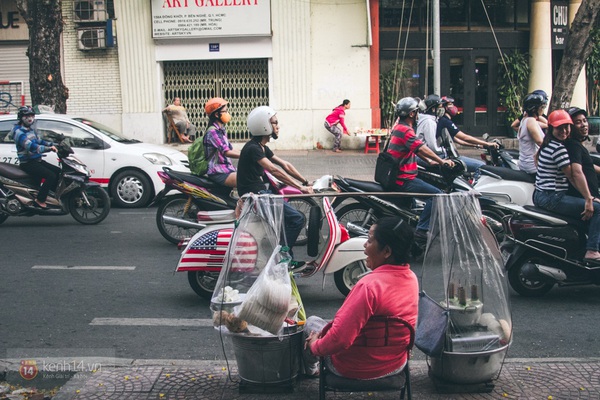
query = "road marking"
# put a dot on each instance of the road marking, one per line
(152, 322)
(86, 267)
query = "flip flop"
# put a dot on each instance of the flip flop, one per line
(592, 260)
(35, 204)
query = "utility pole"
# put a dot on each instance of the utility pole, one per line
(437, 81)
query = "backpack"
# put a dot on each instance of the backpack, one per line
(198, 161)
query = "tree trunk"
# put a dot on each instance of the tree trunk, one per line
(577, 49)
(45, 23)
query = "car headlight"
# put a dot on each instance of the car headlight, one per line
(158, 159)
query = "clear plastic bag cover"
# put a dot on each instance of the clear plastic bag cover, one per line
(254, 244)
(463, 270)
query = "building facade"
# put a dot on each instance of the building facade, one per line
(124, 61)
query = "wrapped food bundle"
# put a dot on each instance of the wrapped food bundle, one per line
(268, 301)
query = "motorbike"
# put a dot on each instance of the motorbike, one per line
(500, 157)
(545, 250)
(202, 202)
(329, 250)
(86, 201)
(367, 209)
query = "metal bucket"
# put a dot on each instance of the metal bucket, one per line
(477, 367)
(268, 359)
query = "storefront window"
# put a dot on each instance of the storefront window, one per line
(481, 91)
(457, 87)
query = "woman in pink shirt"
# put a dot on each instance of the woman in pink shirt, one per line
(350, 343)
(332, 122)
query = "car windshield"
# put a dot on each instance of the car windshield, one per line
(111, 133)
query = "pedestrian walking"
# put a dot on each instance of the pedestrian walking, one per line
(333, 122)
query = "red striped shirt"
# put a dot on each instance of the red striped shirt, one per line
(404, 145)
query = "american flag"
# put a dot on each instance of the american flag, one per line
(207, 252)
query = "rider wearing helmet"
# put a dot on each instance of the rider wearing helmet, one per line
(581, 161)
(427, 124)
(256, 158)
(30, 148)
(542, 118)
(217, 149)
(404, 145)
(447, 132)
(530, 133)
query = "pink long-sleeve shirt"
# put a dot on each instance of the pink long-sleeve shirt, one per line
(390, 290)
(337, 115)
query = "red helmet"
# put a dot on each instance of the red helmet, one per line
(214, 104)
(558, 118)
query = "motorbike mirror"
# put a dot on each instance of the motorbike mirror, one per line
(486, 136)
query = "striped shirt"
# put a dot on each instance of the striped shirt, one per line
(552, 159)
(404, 145)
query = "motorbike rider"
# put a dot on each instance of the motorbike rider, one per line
(581, 162)
(542, 119)
(530, 133)
(404, 144)
(555, 171)
(30, 148)
(256, 158)
(427, 124)
(447, 130)
(217, 149)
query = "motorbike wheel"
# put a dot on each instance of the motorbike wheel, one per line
(526, 286)
(203, 283)
(346, 278)
(174, 206)
(356, 214)
(304, 206)
(96, 211)
(3, 217)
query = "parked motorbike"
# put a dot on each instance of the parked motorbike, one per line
(86, 201)
(546, 249)
(202, 202)
(329, 250)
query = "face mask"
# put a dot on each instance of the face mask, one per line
(27, 120)
(225, 117)
(440, 112)
(452, 110)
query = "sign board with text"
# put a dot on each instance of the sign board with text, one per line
(12, 24)
(560, 23)
(210, 18)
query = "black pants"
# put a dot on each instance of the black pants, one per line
(42, 169)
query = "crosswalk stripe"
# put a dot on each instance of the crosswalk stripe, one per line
(152, 322)
(86, 267)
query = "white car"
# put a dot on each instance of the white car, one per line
(127, 168)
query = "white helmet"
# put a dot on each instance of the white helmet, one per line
(259, 121)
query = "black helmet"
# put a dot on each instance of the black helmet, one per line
(532, 102)
(573, 111)
(446, 100)
(23, 111)
(407, 105)
(541, 93)
(432, 102)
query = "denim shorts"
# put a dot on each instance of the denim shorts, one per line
(219, 178)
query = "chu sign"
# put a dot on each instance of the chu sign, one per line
(560, 24)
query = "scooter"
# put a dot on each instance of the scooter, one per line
(329, 250)
(202, 202)
(546, 250)
(367, 209)
(86, 201)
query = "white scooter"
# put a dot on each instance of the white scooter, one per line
(330, 250)
(505, 185)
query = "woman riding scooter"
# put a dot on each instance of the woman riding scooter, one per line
(552, 183)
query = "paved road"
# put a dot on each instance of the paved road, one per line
(99, 310)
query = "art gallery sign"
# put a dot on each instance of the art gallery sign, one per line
(210, 18)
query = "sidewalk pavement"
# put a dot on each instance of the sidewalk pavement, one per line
(177, 379)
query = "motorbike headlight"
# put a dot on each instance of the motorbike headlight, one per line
(158, 159)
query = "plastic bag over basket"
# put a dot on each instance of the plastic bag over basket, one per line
(254, 284)
(463, 273)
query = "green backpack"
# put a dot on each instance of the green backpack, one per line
(198, 162)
